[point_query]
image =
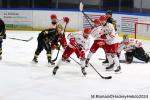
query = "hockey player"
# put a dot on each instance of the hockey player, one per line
(99, 42)
(112, 21)
(111, 46)
(54, 22)
(46, 39)
(79, 44)
(133, 48)
(2, 35)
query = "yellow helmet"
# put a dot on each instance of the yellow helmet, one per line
(59, 26)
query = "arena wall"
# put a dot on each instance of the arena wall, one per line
(38, 19)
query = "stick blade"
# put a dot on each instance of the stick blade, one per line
(109, 77)
(30, 39)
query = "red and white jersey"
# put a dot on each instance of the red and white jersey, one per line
(96, 33)
(130, 45)
(109, 31)
(80, 40)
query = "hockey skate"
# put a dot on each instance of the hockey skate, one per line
(83, 71)
(110, 67)
(55, 70)
(106, 61)
(118, 69)
(35, 60)
(50, 63)
(86, 62)
(68, 61)
(0, 57)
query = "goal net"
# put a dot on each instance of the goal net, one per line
(142, 30)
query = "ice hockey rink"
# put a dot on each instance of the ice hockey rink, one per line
(20, 79)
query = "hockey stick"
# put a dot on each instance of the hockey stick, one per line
(103, 77)
(26, 40)
(60, 45)
(81, 9)
(86, 16)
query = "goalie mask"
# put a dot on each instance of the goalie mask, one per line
(125, 38)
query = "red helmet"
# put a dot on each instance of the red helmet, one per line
(103, 18)
(87, 30)
(96, 21)
(53, 16)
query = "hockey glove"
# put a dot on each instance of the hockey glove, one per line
(79, 46)
(73, 42)
(103, 36)
(66, 19)
(82, 55)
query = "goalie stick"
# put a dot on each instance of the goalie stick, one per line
(103, 77)
(26, 40)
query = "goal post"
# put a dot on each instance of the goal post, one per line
(142, 30)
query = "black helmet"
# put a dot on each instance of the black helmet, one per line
(109, 12)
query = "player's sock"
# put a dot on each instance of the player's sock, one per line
(83, 66)
(88, 58)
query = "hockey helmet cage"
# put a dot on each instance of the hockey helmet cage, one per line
(125, 37)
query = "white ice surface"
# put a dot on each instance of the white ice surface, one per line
(22, 80)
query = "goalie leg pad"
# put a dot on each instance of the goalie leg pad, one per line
(129, 57)
(141, 55)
